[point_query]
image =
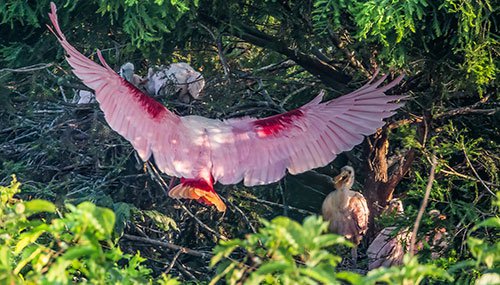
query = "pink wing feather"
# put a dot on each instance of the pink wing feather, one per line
(146, 123)
(258, 151)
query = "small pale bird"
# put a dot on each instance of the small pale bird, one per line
(178, 78)
(389, 247)
(346, 210)
(127, 72)
(203, 151)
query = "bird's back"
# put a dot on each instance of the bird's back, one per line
(388, 249)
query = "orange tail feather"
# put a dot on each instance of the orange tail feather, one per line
(187, 191)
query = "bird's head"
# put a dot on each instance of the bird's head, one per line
(127, 71)
(345, 179)
(395, 206)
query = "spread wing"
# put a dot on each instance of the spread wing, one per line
(146, 123)
(259, 151)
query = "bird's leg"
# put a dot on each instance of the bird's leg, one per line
(172, 181)
(354, 253)
(198, 189)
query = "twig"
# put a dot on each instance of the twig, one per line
(203, 224)
(452, 171)
(183, 269)
(63, 94)
(247, 220)
(350, 55)
(424, 204)
(302, 211)
(30, 68)
(285, 204)
(155, 175)
(475, 172)
(468, 110)
(173, 261)
(220, 52)
(274, 66)
(172, 246)
(471, 109)
(251, 111)
(108, 49)
(289, 96)
(268, 97)
(397, 124)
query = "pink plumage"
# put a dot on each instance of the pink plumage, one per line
(257, 151)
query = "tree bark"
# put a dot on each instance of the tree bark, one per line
(380, 185)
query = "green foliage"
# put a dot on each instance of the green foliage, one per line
(68, 154)
(282, 252)
(326, 15)
(18, 11)
(475, 37)
(485, 259)
(402, 27)
(39, 247)
(485, 253)
(285, 252)
(388, 21)
(145, 21)
(411, 272)
(161, 220)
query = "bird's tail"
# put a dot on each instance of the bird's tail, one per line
(198, 190)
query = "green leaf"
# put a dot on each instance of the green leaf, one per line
(272, 267)
(493, 222)
(77, 252)
(122, 214)
(39, 206)
(488, 279)
(320, 274)
(29, 237)
(224, 249)
(105, 217)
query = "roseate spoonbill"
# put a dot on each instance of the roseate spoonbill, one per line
(346, 210)
(177, 78)
(203, 151)
(389, 247)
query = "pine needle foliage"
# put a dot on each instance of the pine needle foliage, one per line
(403, 26)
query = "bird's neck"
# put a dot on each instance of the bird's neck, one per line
(343, 197)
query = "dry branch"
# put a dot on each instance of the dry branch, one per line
(169, 245)
(424, 204)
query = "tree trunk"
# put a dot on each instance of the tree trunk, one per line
(379, 184)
